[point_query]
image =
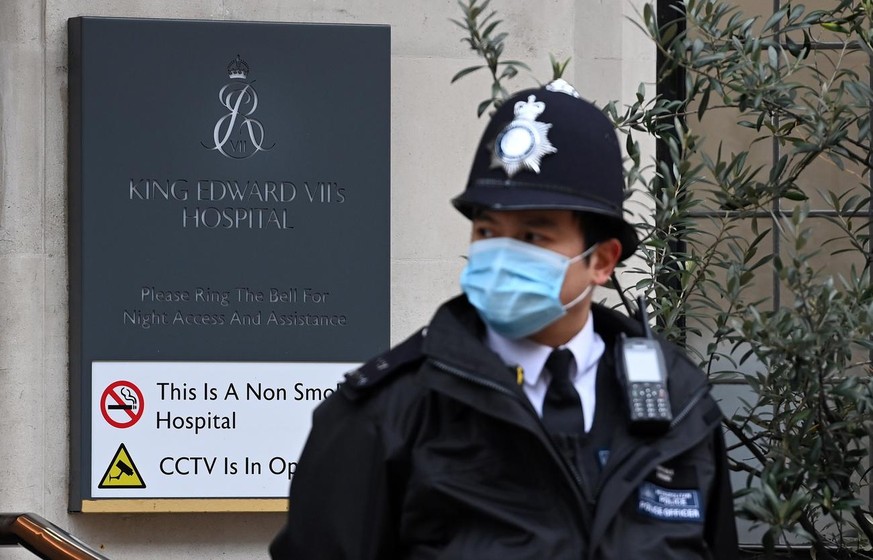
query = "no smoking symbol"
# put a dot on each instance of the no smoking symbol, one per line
(122, 404)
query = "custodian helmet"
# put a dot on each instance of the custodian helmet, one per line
(547, 149)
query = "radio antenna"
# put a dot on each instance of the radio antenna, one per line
(624, 300)
(644, 315)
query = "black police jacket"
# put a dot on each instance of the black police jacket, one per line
(433, 451)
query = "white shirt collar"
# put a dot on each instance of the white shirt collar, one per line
(586, 346)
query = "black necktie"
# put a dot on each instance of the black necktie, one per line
(562, 408)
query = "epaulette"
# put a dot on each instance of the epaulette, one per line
(381, 368)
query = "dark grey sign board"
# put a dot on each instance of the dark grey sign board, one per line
(229, 204)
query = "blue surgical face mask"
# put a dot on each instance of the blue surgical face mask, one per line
(516, 286)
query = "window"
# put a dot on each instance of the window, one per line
(833, 88)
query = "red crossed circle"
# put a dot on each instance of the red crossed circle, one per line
(112, 398)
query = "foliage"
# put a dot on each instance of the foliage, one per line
(761, 272)
(485, 40)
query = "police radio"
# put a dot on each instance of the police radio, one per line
(643, 374)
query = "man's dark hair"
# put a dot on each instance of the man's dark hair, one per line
(597, 228)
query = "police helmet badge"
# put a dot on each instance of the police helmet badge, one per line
(561, 86)
(524, 141)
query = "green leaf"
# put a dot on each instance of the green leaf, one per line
(835, 27)
(774, 20)
(669, 34)
(704, 103)
(509, 72)
(807, 44)
(487, 31)
(778, 168)
(483, 106)
(499, 38)
(514, 63)
(464, 72)
(793, 48)
(773, 56)
(795, 195)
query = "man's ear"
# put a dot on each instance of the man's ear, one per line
(604, 260)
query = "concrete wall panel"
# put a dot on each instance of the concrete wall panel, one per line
(22, 126)
(23, 378)
(432, 155)
(418, 287)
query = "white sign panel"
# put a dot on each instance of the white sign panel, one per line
(202, 429)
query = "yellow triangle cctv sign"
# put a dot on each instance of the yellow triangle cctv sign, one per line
(122, 472)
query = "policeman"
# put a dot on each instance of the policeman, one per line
(503, 430)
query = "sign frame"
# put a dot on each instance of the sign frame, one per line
(311, 194)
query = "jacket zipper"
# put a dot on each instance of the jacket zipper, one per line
(695, 398)
(501, 389)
